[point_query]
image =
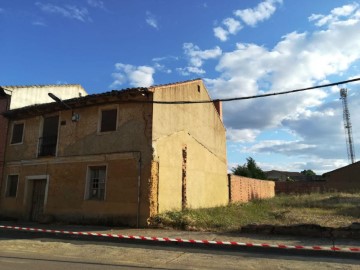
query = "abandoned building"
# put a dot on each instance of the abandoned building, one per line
(117, 157)
(13, 97)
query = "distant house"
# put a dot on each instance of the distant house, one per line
(283, 176)
(117, 157)
(344, 179)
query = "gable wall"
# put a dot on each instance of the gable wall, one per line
(189, 146)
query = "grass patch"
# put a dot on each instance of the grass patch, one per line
(328, 209)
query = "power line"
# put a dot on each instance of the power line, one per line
(257, 96)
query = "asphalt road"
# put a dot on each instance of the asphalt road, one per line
(44, 253)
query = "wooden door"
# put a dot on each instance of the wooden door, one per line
(37, 199)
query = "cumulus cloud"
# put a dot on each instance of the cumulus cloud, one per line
(196, 58)
(263, 11)
(250, 16)
(67, 11)
(297, 60)
(136, 76)
(230, 27)
(151, 20)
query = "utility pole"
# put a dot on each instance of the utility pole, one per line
(347, 126)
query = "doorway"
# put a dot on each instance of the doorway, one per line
(37, 199)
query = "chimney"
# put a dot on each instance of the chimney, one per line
(218, 106)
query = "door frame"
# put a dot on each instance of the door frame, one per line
(29, 189)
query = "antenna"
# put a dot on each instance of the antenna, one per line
(347, 126)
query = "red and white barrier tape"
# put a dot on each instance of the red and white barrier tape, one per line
(179, 240)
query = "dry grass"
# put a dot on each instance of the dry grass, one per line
(328, 209)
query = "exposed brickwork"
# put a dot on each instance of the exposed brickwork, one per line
(183, 184)
(299, 187)
(243, 189)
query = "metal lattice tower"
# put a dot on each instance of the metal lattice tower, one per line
(347, 126)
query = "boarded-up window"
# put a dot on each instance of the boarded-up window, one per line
(17, 134)
(11, 186)
(108, 120)
(96, 183)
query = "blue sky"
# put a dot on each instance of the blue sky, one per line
(239, 48)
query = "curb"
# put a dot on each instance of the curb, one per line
(190, 241)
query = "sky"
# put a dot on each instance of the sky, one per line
(238, 47)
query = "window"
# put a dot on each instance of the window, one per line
(96, 183)
(48, 141)
(17, 133)
(108, 120)
(11, 185)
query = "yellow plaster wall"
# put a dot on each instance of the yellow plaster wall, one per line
(78, 140)
(199, 127)
(66, 190)
(206, 185)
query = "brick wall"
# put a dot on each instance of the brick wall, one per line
(299, 187)
(244, 189)
(4, 100)
(345, 179)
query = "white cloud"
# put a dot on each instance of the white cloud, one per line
(151, 20)
(335, 15)
(230, 26)
(68, 11)
(280, 146)
(189, 70)
(165, 58)
(136, 76)
(96, 4)
(196, 58)
(261, 12)
(296, 61)
(162, 68)
(221, 33)
(318, 165)
(241, 135)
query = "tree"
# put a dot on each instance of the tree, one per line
(249, 169)
(308, 172)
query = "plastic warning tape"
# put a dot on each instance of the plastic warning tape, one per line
(180, 240)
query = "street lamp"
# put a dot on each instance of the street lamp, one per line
(75, 116)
